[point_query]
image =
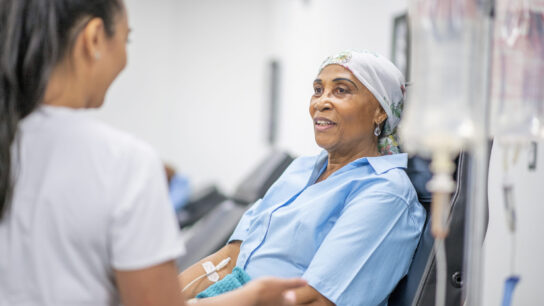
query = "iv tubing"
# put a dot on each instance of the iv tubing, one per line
(442, 186)
(441, 272)
(476, 211)
(478, 171)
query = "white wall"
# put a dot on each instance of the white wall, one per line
(529, 199)
(195, 85)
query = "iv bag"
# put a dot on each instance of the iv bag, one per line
(517, 110)
(445, 105)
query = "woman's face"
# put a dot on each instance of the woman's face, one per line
(111, 60)
(344, 112)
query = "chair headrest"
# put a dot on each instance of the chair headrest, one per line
(419, 173)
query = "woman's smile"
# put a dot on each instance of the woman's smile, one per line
(322, 124)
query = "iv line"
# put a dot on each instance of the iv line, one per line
(220, 266)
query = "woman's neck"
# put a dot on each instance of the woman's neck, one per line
(65, 89)
(337, 160)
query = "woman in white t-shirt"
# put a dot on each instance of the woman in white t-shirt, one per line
(84, 212)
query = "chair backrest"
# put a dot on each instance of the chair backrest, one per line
(419, 173)
(214, 227)
(257, 183)
(419, 285)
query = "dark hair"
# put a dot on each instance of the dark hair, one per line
(34, 36)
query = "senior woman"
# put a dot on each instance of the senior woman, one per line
(347, 220)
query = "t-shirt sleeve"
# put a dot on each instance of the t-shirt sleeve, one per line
(242, 229)
(368, 250)
(143, 231)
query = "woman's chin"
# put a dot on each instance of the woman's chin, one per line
(325, 145)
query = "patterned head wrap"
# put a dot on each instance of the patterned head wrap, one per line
(384, 81)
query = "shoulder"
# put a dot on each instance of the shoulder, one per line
(108, 135)
(123, 154)
(129, 165)
(83, 139)
(111, 143)
(396, 178)
(389, 176)
(392, 184)
(392, 189)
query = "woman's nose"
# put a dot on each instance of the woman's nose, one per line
(323, 103)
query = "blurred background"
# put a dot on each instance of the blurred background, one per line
(199, 82)
(197, 85)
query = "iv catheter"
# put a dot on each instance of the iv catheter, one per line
(220, 266)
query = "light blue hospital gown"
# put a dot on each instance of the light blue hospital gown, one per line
(351, 236)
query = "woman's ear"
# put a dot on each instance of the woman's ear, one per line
(94, 39)
(380, 116)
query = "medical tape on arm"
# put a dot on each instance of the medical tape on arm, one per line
(211, 272)
(209, 267)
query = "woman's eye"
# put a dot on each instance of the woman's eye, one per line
(341, 90)
(318, 90)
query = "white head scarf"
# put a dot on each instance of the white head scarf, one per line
(384, 81)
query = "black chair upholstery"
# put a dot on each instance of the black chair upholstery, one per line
(454, 246)
(199, 205)
(257, 183)
(419, 173)
(419, 286)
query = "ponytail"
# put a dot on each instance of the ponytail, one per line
(34, 36)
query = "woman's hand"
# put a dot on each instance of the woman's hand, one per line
(261, 292)
(274, 291)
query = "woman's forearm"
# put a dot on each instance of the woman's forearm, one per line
(230, 250)
(261, 292)
(245, 296)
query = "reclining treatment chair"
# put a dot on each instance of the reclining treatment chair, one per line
(419, 286)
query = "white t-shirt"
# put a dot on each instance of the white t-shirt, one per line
(87, 199)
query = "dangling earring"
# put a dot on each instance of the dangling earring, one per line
(377, 131)
(97, 55)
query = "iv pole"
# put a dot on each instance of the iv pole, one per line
(476, 212)
(455, 47)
